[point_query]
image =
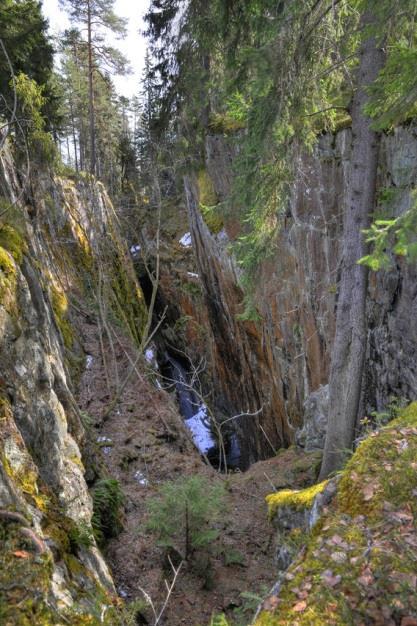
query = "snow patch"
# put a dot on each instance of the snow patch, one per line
(149, 355)
(198, 424)
(89, 361)
(141, 478)
(134, 250)
(186, 240)
(106, 449)
(192, 275)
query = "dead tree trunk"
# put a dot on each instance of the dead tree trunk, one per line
(348, 356)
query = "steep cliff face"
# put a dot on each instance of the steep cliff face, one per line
(272, 366)
(54, 234)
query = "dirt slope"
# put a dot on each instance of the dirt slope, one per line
(143, 443)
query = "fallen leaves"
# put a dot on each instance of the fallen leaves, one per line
(270, 603)
(300, 606)
(366, 578)
(21, 554)
(369, 491)
(338, 557)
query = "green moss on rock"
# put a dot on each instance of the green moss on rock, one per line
(12, 240)
(128, 302)
(7, 279)
(209, 203)
(298, 499)
(59, 303)
(359, 563)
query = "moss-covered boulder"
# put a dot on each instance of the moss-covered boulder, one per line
(293, 514)
(359, 565)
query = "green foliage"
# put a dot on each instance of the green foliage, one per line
(184, 512)
(86, 420)
(12, 240)
(32, 101)
(219, 620)
(95, 118)
(80, 536)
(127, 615)
(108, 500)
(282, 73)
(23, 31)
(233, 557)
(378, 419)
(394, 93)
(250, 601)
(397, 235)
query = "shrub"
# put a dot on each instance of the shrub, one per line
(80, 536)
(184, 512)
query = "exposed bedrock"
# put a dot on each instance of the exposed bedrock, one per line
(270, 368)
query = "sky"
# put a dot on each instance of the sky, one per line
(133, 45)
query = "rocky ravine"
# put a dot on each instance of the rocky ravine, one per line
(274, 365)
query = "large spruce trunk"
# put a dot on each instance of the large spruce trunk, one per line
(349, 347)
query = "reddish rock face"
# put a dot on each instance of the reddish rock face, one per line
(276, 363)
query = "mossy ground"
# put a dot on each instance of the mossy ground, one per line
(359, 565)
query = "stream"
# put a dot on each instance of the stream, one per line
(197, 418)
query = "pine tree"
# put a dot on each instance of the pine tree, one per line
(184, 513)
(96, 18)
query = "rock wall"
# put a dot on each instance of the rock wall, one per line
(275, 365)
(53, 236)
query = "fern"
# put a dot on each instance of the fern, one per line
(108, 500)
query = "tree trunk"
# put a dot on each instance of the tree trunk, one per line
(349, 349)
(91, 93)
(74, 139)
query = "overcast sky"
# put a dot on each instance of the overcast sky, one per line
(133, 45)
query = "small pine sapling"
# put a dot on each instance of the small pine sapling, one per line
(184, 512)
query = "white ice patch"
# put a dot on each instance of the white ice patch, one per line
(141, 478)
(149, 355)
(186, 241)
(134, 250)
(89, 361)
(200, 430)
